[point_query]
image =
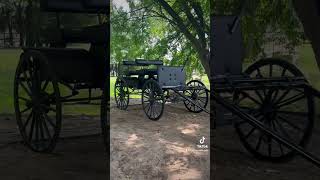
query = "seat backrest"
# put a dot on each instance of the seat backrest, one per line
(81, 6)
(97, 34)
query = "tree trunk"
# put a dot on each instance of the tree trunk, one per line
(200, 47)
(10, 32)
(20, 23)
(309, 15)
(29, 31)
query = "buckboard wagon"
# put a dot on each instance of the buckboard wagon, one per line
(154, 81)
(43, 71)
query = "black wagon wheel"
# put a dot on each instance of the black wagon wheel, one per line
(121, 93)
(37, 102)
(105, 116)
(197, 92)
(152, 99)
(288, 112)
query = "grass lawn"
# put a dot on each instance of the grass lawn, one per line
(10, 57)
(309, 66)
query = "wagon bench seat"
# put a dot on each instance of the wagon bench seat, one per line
(72, 65)
(142, 72)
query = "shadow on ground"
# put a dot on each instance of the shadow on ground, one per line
(79, 158)
(165, 149)
(233, 162)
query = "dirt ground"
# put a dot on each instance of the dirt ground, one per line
(78, 158)
(233, 162)
(143, 149)
(165, 149)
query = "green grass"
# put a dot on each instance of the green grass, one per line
(309, 65)
(10, 57)
(112, 82)
(8, 63)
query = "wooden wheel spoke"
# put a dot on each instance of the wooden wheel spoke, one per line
(46, 128)
(259, 142)
(291, 100)
(293, 114)
(250, 132)
(46, 107)
(149, 108)
(291, 124)
(26, 79)
(145, 105)
(250, 109)
(47, 118)
(237, 124)
(27, 121)
(282, 130)
(44, 87)
(25, 89)
(259, 95)
(251, 98)
(37, 130)
(276, 131)
(24, 99)
(31, 128)
(284, 70)
(201, 100)
(259, 73)
(282, 96)
(270, 70)
(275, 95)
(42, 137)
(269, 146)
(25, 110)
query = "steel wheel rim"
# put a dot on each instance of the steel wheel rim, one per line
(199, 95)
(152, 100)
(121, 94)
(277, 99)
(38, 129)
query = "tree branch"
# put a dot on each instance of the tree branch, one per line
(202, 52)
(197, 26)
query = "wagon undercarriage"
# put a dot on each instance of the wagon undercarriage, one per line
(274, 109)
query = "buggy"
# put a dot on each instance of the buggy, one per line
(154, 81)
(43, 72)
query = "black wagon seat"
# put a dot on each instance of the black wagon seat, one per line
(75, 65)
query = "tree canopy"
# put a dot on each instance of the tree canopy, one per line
(27, 19)
(178, 31)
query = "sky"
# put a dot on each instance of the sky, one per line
(121, 3)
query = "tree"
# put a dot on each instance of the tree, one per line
(7, 13)
(139, 33)
(191, 18)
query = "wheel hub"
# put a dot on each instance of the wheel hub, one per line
(152, 97)
(269, 111)
(194, 96)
